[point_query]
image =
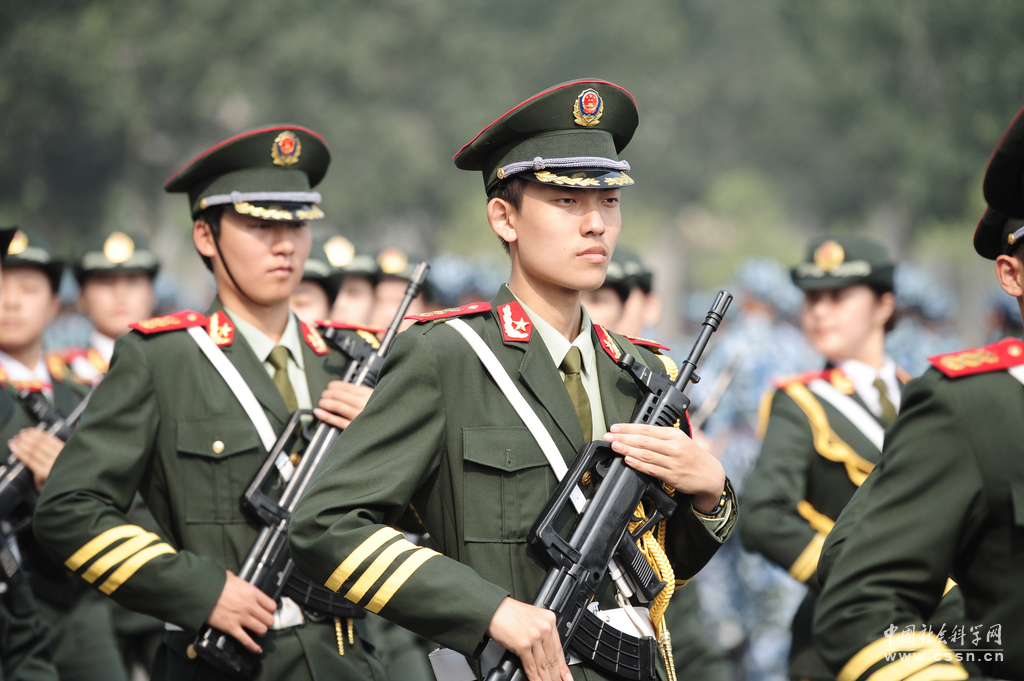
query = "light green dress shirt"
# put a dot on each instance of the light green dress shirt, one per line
(261, 344)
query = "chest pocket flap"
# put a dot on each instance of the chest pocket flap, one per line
(217, 438)
(507, 482)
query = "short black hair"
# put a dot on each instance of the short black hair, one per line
(211, 216)
(511, 190)
(880, 290)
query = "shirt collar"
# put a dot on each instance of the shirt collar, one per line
(261, 343)
(102, 344)
(558, 346)
(864, 376)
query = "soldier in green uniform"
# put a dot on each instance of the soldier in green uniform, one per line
(360, 273)
(945, 501)
(84, 646)
(25, 650)
(825, 428)
(168, 421)
(115, 276)
(395, 268)
(439, 433)
(313, 297)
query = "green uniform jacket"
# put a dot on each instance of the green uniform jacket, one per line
(163, 422)
(946, 500)
(812, 460)
(439, 433)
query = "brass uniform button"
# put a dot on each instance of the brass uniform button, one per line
(190, 652)
(585, 480)
(218, 447)
(294, 458)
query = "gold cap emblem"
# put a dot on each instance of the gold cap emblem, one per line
(588, 108)
(829, 256)
(392, 261)
(339, 251)
(18, 244)
(286, 149)
(118, 247)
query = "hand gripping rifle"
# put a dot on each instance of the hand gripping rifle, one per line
(601, 542)
(269, 565)
(16, 481)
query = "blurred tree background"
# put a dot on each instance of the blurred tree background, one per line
(762, 121)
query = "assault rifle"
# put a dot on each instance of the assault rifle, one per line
(601, 541)
(269, 566)
(16, 481)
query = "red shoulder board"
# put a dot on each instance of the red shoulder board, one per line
(607, 344)
(170, 322)
(220, 328)
(314, 339)
(69, 355)
(1002, 355)
(645, 342)
(782, 381)
(331, 324)
(515, 324)
(472, 308)
(30, 386)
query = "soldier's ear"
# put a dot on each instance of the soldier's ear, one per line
(501, 215)
(202, 237)
(1010, 272)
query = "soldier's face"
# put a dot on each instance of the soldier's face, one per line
(113, 301)
(309, 302)
(841, 323)
(604, 306)
(27, 306)
(561, 238)
(354, 302)
(265, 257)
(388, 295)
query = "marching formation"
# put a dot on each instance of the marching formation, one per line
(325, 476)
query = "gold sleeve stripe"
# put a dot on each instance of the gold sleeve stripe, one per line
(899, 671)
(940, 672)
(122, 552)
(377, 568)
(819, 521)
(100, 542)
(131, 566)
(949, 585)
(875, 652)
(362, 552)
(398, 578)
(764, 410)
(807, 562)
(826, 442)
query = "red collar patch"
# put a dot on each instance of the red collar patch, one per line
(314, 339)
(607, 344)
(647, 343)
(331, 324)
(515, 323)
(472, 308)
(221, 330)
(1002, 355)
(171, 322)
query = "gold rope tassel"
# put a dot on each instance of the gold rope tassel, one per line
(338, 635)
(653, 548)
(351, 632)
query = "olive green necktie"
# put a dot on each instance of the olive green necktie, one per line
(888, 410)
(279, 360)
(571, 366)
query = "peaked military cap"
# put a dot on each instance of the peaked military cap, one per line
(320, 265)
(634, 268)
(117, 253)
(6, 235)
(30, 250)
(267, 173)
(1003, 185)
(996, 234)
(837, 261)
(569, 135)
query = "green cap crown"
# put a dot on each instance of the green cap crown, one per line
(837, 261)
(30, 250)
(268, 173)
(115, 253)
(569, 135)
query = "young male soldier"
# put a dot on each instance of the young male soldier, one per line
(439, 433)
(166, 422)
(115, 276)
(313, 297)
(396, 268)
(354, 303)
(825, 428)
(945, 501)
(83, 638)
(25, 650)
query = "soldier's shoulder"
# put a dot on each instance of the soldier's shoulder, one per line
(153, 326)
(986, 359)
(438, 316)
(801, 378)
